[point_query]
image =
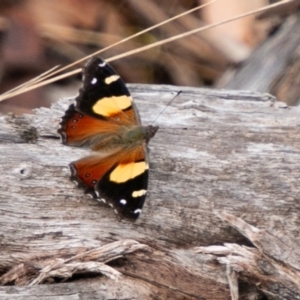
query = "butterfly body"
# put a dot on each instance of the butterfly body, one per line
(105, 119)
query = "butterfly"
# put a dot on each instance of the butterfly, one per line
(105, 119)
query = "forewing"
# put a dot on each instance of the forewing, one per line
(102, 108)
(104, 94)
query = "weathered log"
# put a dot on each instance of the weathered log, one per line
(216, 152)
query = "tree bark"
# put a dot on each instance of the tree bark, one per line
(222, 160)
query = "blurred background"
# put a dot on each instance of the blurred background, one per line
(36, 35)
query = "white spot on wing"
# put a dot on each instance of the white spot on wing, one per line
(63, 137)
(94, 81)
(123, 201)
(100, 200)
(137, 211)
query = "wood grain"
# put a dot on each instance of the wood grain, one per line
(216, 152)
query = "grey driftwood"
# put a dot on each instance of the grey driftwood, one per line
(221, 220)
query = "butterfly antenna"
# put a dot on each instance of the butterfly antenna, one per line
(169, 103)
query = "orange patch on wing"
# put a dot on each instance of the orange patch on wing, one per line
(126, 117)
(91, 169)
(80, 127)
